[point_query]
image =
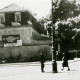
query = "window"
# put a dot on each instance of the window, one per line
(17, 16)
(2, 18)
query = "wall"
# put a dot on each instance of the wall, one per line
(25, 33)
(24, 53)
(29, 51)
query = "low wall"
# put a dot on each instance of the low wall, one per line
(24, 53)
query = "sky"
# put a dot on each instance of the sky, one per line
(39, 7)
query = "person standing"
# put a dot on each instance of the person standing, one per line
(42, 60)
(65, 60)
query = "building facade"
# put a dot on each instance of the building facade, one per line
(19, 36)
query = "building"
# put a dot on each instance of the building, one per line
(19, 35)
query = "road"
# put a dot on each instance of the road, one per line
(31, 71)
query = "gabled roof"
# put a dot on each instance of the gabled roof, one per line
(12, 8)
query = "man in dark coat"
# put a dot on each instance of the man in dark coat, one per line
(42, 60)
(65, 60)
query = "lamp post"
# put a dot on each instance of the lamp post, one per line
(54, 63)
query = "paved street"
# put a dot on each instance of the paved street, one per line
(31, 71)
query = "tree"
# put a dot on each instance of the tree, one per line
(65, 13)
(64, 10)
(66, 34)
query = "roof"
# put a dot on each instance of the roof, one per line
(12, 8)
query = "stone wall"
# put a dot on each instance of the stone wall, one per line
(25, 33)
(32, 44)
(25, 53)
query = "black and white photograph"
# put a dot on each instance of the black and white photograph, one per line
(39, 39)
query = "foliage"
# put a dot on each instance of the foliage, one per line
(66, 18)
(66, 34)
(64, 10)
(66, 13)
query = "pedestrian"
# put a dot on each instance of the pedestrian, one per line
(65, 60)
(42, 60)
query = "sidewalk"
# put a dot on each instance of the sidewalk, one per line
(31, 71)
